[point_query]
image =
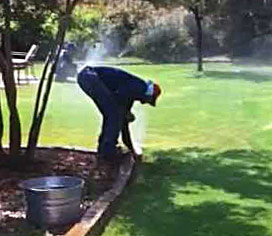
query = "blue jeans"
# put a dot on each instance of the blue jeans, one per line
(113, 114)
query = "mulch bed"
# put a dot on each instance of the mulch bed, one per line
(49, 162)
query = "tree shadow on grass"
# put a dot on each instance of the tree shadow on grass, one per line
(245, 172)
(208, 218)
(242, 75)
(160, 204)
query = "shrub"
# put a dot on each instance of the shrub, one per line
(213, 34)
(82, 31)
(163, 44)
(260, 45)
(163, 38)
(121, 22)
(84, 27)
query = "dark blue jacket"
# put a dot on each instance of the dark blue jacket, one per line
(123, 84)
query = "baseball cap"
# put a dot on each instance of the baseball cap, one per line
(155, 94)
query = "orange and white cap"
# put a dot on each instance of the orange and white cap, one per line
(153, 90)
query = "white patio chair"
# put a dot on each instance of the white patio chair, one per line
(25, 63)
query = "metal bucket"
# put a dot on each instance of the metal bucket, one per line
(53, 201)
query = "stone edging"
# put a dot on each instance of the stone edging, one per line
(95, 218)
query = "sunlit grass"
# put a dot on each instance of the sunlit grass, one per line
(219, 109)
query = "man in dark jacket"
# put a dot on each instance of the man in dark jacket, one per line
(114, 91)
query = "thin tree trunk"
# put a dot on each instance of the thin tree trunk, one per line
(1, 115)
(14, 120)
(198, 20)
(10, 87)
(1, 128)
(40, 87)
(53, 57)
(37, 121)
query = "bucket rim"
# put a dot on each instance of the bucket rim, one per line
(23, 184)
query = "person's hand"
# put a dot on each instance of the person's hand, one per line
(130, 117)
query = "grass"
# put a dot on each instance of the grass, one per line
(198, 192)
(208, 146)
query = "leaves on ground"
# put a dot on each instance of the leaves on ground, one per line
(48, 162)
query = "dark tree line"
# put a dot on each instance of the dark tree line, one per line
(251, 20)
(244, 21)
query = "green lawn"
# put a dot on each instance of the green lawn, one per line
(209, 165)
(198, 192)
(208, 146)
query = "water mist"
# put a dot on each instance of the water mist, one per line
(138, 128)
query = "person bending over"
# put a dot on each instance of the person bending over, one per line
(114, 91)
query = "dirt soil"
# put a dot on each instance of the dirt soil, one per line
(49, 162)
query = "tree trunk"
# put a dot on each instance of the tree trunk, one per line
(33, 134)
(198, 20)
(37, 121)
(14, 120)
(10, 87)
(1, 129)
(53, 57)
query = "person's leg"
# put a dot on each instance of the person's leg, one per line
(110, 133)
(107, 105)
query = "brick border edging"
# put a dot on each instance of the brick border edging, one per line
(95, 218)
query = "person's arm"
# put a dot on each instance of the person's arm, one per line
(126, 137)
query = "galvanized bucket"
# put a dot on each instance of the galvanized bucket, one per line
(53, 201)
